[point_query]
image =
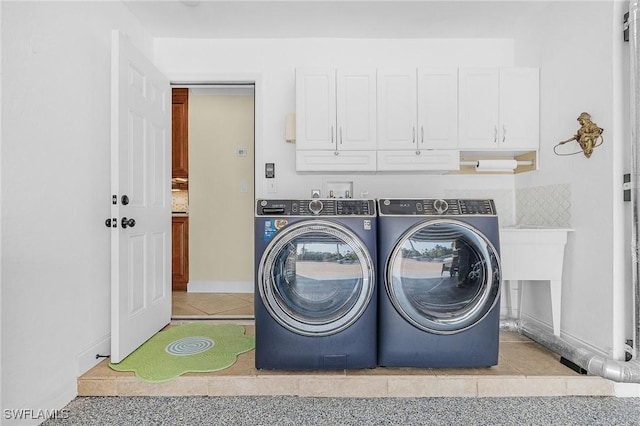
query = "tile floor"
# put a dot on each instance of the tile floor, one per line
(524, 369)
(203, 305)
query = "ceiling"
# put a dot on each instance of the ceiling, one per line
(336, 18)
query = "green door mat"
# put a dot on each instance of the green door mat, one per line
(187, 348)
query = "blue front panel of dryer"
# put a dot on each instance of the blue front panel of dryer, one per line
(403, 345)
(404, 342)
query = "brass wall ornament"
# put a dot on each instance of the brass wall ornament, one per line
(589, 136)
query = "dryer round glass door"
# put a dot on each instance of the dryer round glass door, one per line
(316, 278)
(443, 276)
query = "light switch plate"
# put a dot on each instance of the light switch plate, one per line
(269, 170)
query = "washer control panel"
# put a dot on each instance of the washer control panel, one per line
(316, 207)
(435, 207)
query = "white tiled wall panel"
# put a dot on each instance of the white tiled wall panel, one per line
(548, 205)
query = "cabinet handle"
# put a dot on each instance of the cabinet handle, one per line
(414, 134)
(504, 133)
(422, 135)
(495, 134)
(341, 135)
(332, 141)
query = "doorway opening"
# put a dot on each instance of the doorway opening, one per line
(212, 223)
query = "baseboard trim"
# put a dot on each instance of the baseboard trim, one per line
(220, 287)
(87, 358)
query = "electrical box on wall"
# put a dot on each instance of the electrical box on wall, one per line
(339, 189)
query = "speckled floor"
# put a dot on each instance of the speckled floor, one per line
(296, 411)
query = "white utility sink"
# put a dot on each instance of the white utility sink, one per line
(533, 253)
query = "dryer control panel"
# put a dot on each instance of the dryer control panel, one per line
(316, 207)
(435, 207)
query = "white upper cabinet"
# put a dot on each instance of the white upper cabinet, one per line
(499, 109)
(416, 119)
(336, 110)
(520, 108)
(397, 109)
(316, 109)
(438, 108)
(356, 109)
(417, 114)
(418, 109)
(335, 120)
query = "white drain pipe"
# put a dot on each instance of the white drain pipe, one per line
(585, 358)
(593, 363)
(634, 71)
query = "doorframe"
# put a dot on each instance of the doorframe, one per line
(204, 79)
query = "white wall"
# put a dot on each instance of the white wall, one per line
(571, 42)
(220, 207)
(579, 72)
(55, 195)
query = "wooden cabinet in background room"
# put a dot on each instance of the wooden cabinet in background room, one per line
(417, 119)
(335, 120)
(180, 133)
(499, 109)
(180, 253)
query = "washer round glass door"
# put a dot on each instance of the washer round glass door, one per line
(316, 278)
(443, 276)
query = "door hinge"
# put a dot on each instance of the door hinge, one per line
(111, 222)
(114, 199)
(625, 27)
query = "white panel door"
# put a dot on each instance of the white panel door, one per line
(478, 100)
(140, 171)
(519, 108)
(397, 105)
(356, 109)
(438, 108)
(316, 109)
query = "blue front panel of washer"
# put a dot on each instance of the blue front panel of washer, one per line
(315, 291)
(453, 332)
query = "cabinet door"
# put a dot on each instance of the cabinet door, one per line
(397, 109)
(180, 253)
(335, 161)
(356, 110)
(438, 108)
(315, 109)
(425, 160)
(519, 108)
(478, 101)
(180, 133)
